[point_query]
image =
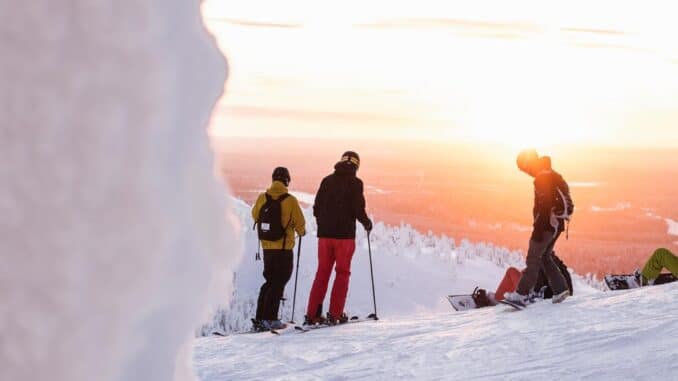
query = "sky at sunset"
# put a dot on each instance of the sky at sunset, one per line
(514, 72)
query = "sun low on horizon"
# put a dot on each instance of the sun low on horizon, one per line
(519, 73)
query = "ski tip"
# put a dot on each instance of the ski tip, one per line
(373, 316)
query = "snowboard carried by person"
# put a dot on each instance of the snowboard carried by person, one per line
(650, 275)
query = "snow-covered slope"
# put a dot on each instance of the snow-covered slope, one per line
(627, 335)
(593, 335)
(413, 272)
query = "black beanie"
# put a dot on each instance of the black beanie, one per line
(282, 174)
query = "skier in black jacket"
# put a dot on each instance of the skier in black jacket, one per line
(552, 207)
(338, 204)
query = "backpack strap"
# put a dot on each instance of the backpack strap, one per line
(563, 198)
(281, 199)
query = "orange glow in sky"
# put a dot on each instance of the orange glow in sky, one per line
(515, 72)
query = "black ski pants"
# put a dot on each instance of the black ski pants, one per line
(278, 266)
(540, 257)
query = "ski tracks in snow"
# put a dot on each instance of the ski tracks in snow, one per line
(603, 336)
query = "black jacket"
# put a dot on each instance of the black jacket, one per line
(547, 201)
(339, 202)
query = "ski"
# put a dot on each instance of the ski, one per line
(352, 320)
(283, 330)
(289, 328)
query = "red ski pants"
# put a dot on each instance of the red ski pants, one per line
(509, 283)
(331, 251)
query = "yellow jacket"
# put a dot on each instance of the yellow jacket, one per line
(291, 212)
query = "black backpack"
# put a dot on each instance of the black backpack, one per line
(269, 224)
(563, 201)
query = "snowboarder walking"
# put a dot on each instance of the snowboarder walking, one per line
(338, 203)
(277, 216)
(552, 207)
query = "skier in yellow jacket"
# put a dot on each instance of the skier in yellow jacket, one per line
(278, 216)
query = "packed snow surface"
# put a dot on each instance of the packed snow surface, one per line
(627, 335)
(593, 335)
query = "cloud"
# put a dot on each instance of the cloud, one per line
(310, 115)
(594, 31)
(617, 208)
(584, 184)
(254, 24)
(469, 28)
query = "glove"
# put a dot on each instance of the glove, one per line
(368, 225)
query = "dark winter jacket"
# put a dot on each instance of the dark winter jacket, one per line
(548, 203)
(339, 202)
(542, 281)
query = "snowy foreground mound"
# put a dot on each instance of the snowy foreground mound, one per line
(626, 335)
(113, 236)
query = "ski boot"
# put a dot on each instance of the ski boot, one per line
(274, 324)
(318, 320)
(639, 280)
(516, 298)
(536, 296)
(559, 298)
(258, 326)
(331, 320)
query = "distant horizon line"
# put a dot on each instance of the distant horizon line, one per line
(445, 142)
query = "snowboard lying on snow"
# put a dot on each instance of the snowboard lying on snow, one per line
(466, 302)
(462, 302)
(621, 281)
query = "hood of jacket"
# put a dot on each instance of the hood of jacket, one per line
(276, 189)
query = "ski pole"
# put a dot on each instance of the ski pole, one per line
(374, 295)
(296, 277)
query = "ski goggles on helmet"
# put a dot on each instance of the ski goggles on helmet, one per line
(354, 160)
